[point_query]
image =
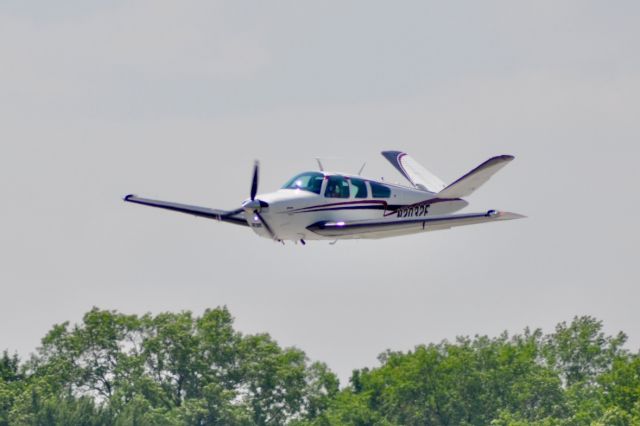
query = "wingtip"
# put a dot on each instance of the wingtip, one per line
(501, 158)
(391, 152)
(128, 197)
(501, 215)
(510, 215)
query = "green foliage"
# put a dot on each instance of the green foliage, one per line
(168, 369)
(177, 369)
(581, 351)
(575, 376)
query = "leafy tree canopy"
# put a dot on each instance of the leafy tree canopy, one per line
(177, 369)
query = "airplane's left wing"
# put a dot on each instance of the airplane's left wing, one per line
(391, 228)
(231, 216)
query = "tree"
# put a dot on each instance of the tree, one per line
(170, 368)
(574, 376)
(580, 351)
(178, 369)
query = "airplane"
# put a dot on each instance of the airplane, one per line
(321, 205)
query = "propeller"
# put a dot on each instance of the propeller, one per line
(253, 206)
(254, 181)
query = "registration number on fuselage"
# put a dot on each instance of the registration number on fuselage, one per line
(413, 211)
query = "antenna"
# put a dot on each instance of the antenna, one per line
(320, 165)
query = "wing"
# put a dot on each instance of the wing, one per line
(391, 228)
(231, 216)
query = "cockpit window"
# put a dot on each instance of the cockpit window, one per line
(337, 187)
(380, 191)
(310, 181)
(358, 188)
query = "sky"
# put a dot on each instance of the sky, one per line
(175, 100)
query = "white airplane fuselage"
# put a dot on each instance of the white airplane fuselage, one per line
(292, 211)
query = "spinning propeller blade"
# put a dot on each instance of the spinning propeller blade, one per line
(266, 226)
(254, 206)
(254, 181)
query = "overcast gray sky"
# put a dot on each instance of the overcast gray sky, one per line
(175, 100)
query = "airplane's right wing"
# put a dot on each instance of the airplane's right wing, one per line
(391, 228)
(232, 216)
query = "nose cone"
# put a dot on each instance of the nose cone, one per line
(284, 199)
(255, 204)
(264, 201)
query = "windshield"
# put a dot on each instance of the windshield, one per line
(310, 181)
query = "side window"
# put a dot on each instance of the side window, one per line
(358, 188)
(337, 187)
(379, 190)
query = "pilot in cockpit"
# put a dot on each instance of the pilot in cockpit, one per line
(337, 187)
(316, 184)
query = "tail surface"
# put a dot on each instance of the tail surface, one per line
(415, 173)
(468, 183)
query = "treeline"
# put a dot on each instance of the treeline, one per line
(177, 369)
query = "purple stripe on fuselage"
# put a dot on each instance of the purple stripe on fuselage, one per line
(379, 202)
(367, 205)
